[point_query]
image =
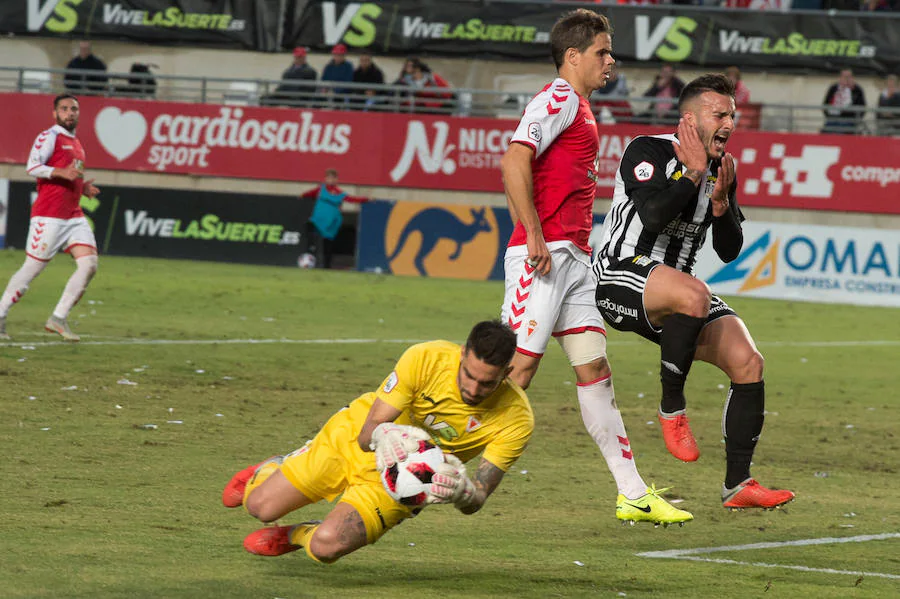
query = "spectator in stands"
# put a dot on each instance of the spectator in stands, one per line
(741, 91)
(889, 124)
(86, 61)
(407, 70)
(367, 72)
(840, 96)
(340, 70)
(326, 220)
(294, 81)
(141, 84)
(666, 88)
(424, 83)
(610, 102)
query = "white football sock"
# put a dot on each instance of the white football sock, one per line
(85, 267)
(603, 422)
(19, 282)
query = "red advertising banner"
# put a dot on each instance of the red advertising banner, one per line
(818, 172)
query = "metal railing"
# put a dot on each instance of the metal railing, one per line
(430, 100)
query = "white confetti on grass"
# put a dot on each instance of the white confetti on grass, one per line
(126, 382)
(578, 563)
(71, 388)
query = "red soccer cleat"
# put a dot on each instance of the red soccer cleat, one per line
(750, 494)
(270, 541)
(679, 438)
(233, 493)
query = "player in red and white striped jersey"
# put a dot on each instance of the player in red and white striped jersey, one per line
(550, 174)
(57, 222)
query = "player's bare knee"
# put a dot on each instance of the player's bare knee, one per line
(524, 369)
(747, 367)
(326, 545)
(697, 298)
(755, 365)
(260, 508)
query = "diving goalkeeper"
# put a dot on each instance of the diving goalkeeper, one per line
(460, 396)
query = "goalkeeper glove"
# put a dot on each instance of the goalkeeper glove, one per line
(450, 484)
(392, 443)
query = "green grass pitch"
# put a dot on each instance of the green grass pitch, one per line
(96, 505)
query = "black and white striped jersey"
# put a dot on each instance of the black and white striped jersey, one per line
(659, 214)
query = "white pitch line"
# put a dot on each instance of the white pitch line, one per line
(209, 342)
(690, 554)
(133, 341)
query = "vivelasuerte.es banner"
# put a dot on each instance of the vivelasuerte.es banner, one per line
(249, 24)
(169, 223)
(692, 36)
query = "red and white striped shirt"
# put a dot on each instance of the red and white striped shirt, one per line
(57, 197)
(561, 129)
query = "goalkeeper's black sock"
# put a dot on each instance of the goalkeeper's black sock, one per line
(677, 345)
(743, 422)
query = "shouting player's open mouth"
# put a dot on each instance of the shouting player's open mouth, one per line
(719, 141)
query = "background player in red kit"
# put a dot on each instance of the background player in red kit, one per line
(549, 172)
(57, 222)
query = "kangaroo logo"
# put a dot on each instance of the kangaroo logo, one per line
(431, 158)
(453, 241)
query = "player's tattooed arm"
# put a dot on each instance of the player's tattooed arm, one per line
(486, 479)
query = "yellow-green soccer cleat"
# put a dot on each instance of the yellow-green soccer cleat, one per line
(650, 508)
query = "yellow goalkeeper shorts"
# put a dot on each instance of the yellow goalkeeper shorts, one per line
(333, 465)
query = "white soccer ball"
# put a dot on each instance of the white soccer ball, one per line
(306, 261)
(408, 481)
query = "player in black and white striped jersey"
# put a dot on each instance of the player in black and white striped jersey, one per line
(670, 190)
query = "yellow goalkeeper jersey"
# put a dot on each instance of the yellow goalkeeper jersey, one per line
(423, 386)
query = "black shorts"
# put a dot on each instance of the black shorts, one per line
(620, 297)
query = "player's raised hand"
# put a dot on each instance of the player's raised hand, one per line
(392, 443)
(451, 484)
(69, 173)
(91, 190)
(724, 179)
(690, 150)
(538, 253)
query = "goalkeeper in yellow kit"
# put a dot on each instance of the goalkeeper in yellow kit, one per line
(460, 396)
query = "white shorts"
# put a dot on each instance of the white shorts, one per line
(47, 236)
(560, 303)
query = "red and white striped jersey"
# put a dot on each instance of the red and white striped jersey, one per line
(561, 129)
(57, 198)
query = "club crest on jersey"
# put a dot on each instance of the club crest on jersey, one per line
(534, 132)
(532, 325)
(391, 382)
(472, 424)
(643, 171)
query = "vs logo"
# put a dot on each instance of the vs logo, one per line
(357, 15)
(668, 41)
(58, 16)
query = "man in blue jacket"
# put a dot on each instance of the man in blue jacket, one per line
(325, 221)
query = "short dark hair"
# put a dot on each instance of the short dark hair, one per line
(331, 171)
(62, 97)
(492, 342)
(576, 29)
(711, 82)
